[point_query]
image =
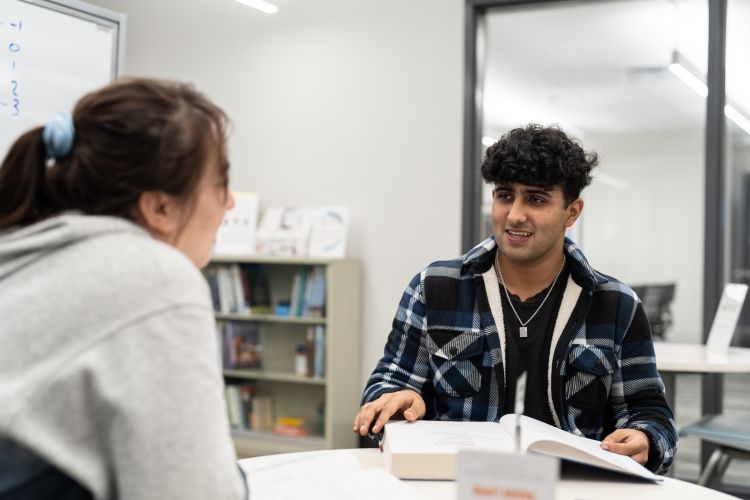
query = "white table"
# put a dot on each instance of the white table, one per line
(673, 358)
(567, 488)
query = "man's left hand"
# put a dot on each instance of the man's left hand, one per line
(630, 442)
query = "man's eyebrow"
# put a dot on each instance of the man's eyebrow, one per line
(542, 191)
(532, 190)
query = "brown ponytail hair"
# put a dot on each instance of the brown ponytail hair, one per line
(132, 136)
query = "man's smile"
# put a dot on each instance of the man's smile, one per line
(516, 236)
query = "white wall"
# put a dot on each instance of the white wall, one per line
(334, 102)
(649, 229)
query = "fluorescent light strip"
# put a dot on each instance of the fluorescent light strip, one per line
(692, 81)
(738, 118)
(689, 79)
(261, 5)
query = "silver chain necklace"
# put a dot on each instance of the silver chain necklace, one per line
(523, 331)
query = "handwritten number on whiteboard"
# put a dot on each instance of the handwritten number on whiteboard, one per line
(16, 101)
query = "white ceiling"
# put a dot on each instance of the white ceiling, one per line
(602, 66)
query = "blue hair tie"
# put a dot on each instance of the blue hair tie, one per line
(58, 137)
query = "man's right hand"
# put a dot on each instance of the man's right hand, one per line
(405, 401)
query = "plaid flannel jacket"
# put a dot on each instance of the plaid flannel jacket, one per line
(448, 344)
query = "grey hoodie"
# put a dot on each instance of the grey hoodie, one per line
(108, 361)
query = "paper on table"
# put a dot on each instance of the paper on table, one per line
(326, 476)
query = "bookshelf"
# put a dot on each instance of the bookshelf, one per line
(325, 403)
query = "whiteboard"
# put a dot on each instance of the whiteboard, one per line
(51, 54)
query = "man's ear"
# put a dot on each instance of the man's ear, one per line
(158, 214)
(574, 211)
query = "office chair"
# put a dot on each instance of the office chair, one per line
(656, 300)
(732, 436)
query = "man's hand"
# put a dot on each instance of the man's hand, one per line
(630, 442)
(404, 401)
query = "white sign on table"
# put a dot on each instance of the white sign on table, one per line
(498, 475)
(725, 321)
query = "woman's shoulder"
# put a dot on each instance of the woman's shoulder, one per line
(130, 267)
(141, 261)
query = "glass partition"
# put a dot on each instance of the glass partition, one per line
(621, 77)
(737, 206)
(737, 113)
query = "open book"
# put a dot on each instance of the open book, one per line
(427, 449)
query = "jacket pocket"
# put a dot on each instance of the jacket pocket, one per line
(589, 377)
(456, 358)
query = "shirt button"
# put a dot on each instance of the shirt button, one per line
(453, 350)
(599, 364)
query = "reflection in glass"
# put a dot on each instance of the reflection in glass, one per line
(601, 70)
(737, 124)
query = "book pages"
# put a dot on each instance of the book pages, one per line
(543, 438)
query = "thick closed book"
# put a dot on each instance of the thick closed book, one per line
(427, 449)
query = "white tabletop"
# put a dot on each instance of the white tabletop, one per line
(695, 358)
(566, 489)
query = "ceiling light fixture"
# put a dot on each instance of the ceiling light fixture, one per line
(738, 118)
(688, 74)
(261, 5)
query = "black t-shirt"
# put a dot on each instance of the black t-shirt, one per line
(531, 354)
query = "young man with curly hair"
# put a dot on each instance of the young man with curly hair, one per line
(527, 300)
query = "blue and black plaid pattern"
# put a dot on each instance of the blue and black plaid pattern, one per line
(445, 345)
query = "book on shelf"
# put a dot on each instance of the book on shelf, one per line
(428, 449)
(239, 405)
(328, 232)
(315, 350)
(248, 409)
(316, 294)
(317, 232)
(320, 352)
(299, 282)
(262, 413)
(211, 275)
(290, 427)
(283, 231)
(242, 347)
(258, 288)
(239, 288)
(307, 297)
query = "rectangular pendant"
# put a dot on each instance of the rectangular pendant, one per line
(523, 332)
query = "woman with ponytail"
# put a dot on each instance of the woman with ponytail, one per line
(109, 385)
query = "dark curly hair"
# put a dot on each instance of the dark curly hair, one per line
(539, 156)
